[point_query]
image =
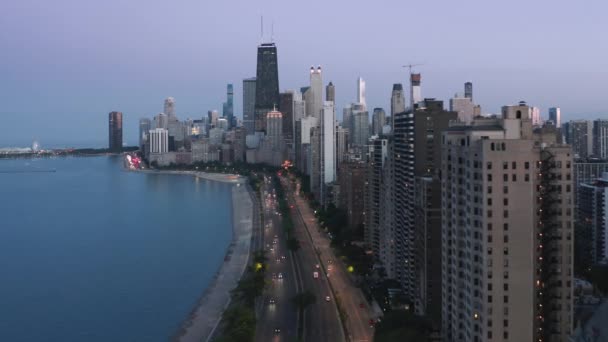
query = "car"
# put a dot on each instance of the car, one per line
(280, 275)
(327, 298)
(274, 276)
(278, 260)
(283, 257)
(277, 331)
(271, 301)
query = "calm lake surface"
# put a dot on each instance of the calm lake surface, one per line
(93, 253)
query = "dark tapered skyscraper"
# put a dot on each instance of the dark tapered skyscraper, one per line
(330, 93)
(115, 131)
(267, 84)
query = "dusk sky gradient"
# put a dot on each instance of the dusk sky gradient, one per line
(65, 64)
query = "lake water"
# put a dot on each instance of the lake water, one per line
(93, 253)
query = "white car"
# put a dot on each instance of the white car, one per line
(327, 298)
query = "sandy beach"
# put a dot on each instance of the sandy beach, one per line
(207, 313)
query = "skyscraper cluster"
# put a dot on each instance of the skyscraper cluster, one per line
(473, 215)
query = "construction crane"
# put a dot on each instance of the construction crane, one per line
(410, 66)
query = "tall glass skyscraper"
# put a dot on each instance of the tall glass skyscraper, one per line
(228, 108)
(249, 104)
(115, 131)
(267, 84)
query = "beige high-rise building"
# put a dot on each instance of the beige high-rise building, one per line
(507, 217)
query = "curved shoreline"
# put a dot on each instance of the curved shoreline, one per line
(206, 315)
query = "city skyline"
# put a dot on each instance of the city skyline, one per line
(77, 82)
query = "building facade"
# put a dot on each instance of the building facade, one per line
(266, 85)
(159, 141)
(115, 131)
(600, 139)
(378, 121)
(249, 85)
(507, 231)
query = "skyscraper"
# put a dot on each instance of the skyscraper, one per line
(416, 94)
(145, 125)
(330, 93)
(267, 84)
(328, 143)
(555, 115)
(169, 108)
(159, 140)
(249, 85)
(361, 92)
(600, 138)
(378, 120)
(359, 126)
(397, 100)
(115, 131)
(212, 117)
(468, 90)
(580, 135)
(377, 154)
(592, 227)
(314, 103)
(507, 254)
(536, 119)
(161, 121)
(274, 121)
(464, 107)
(228, 106)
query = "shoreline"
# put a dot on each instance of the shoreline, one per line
(203, 319)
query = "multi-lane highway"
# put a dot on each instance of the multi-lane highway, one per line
(352, 300)
(290, 273)
(276, 314)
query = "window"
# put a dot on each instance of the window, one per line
(489, 250)
(506, 299)
(505, 177)
(489, 226)
(505, 227)
(489, 299)
(506, 239)
(489, 189)
(506, 263)
(505, 335)
(514, 178)
(505, 251)
(514, 165)
(489, 177)
(505, 189)
(527, 177)
(527, 165)
(489, 213)
(489, 165)
(505, 201)
(505, 165)
(506, 275)
(489, 201)
(505, 213)
(506, 287)
(489, 286)
(489, 238)
(568, 188)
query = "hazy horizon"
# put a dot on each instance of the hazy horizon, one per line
(66, 65)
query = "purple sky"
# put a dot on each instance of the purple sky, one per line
(64, 64)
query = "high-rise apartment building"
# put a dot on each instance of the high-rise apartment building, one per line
(341, 144)
(115, 131)
(430, 121)
(330, 93)
(328, 144)
(287, 108)
(378, 121)
(267, 84)
(600, 139)
(397, 101)
(352, 192)
(555, 115)
(377, 154)
(507, 231)
(361, 92)
(303, 128)
(536, 119)
(161, 121)
(228, 106)
(249, 85)
(579, 134)
(592, 223)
